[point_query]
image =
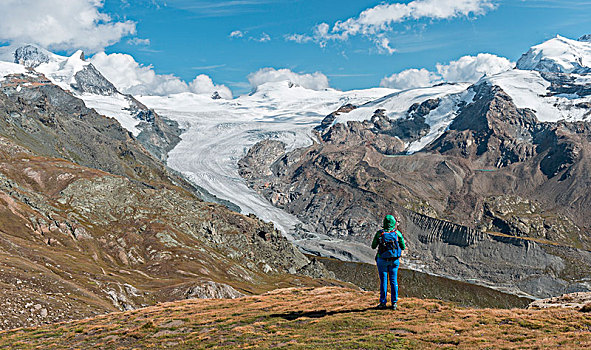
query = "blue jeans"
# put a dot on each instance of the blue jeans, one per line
(385, 268)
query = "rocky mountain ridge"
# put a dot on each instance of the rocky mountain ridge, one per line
(74, 73)
(91, 222)
(494, 181)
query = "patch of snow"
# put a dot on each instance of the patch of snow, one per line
(115, 106)
(7, 68)
(440, 118)
(396, 104)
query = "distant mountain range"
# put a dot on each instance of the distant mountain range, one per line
(490, 179)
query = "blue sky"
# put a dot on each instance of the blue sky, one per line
(191, 37)
(188, 38)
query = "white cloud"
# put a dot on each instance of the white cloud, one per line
(472, 68)
(314, 81)
(138, 41)
(132, 78)
(374, 23)
(466, 69)
(202, 84)
(263, 38)
(411, 78)
(298, 38)
(61, 24)
(384, 45)
(237, 34)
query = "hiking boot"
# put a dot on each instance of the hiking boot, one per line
(381, 306)
(393, 307)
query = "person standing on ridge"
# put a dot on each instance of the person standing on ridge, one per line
(390, 244)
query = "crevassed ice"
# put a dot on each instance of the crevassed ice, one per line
(220, 132)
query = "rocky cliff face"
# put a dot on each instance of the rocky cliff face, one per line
(499, 198)
(52, 122)
(91, 222)
(90, 80)
(158, 134)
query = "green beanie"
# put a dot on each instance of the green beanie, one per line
(389, 223)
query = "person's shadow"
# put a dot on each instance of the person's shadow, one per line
(294, 315)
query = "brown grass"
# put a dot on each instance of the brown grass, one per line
(313, 318)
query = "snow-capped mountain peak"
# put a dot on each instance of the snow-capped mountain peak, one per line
(32, 56)
(75, 74)
(558, 55)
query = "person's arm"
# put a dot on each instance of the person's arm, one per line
(401, 240)
(375, 242)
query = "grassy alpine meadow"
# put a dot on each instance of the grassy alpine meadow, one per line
(312, 318)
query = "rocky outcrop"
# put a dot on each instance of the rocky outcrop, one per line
(90, 80)
(567, 84)
(385, 135)
(491, 130)
(516, 216)
(31, 56)
(158, 135)
(206, 290)
(578, 301)
(329, 119)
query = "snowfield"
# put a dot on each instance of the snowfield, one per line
(7, 68)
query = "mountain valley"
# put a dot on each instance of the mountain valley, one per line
(114, 202)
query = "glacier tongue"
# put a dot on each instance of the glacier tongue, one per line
(220, 132)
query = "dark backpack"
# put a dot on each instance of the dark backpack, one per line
(388, 245)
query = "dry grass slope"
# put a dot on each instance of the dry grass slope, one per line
(312, 318)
